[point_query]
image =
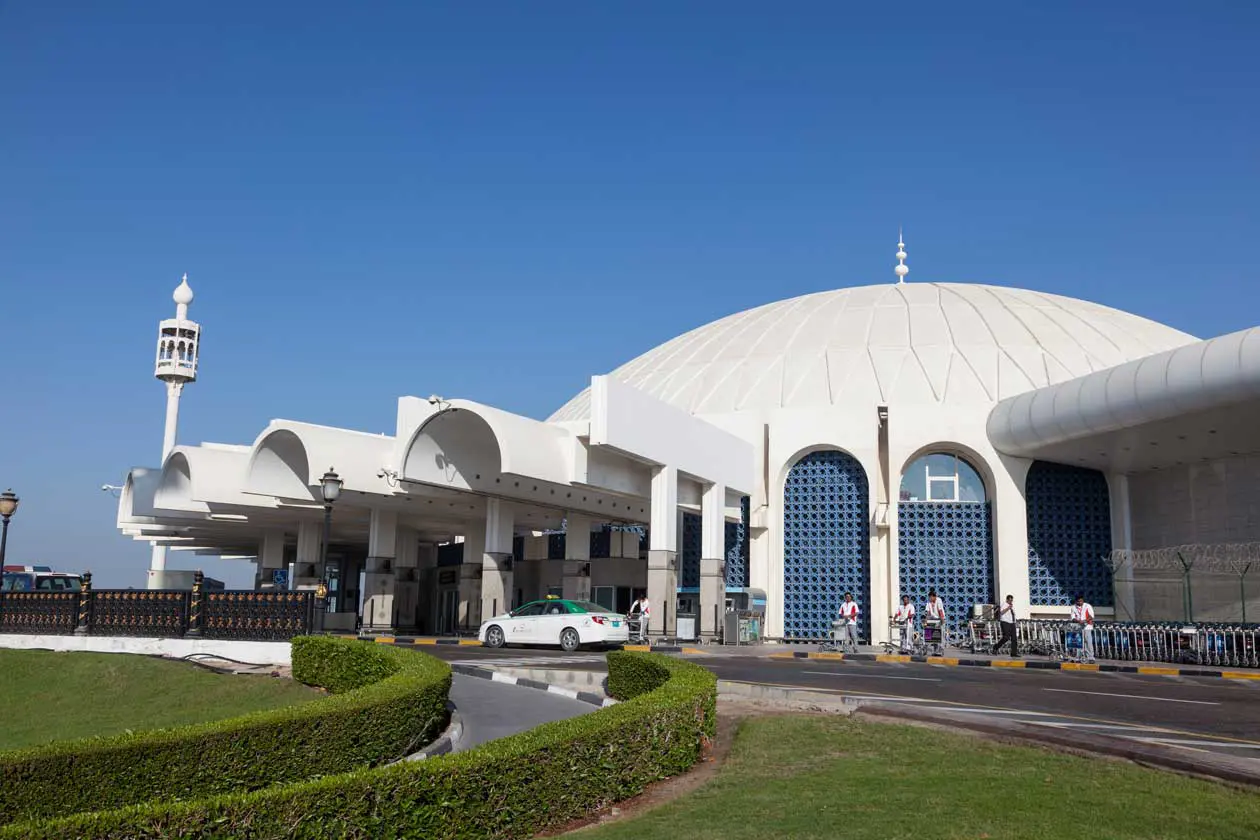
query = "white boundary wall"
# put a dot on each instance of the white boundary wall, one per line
(253, 653)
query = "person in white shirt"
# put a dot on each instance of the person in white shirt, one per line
(1006, 620)
(849, 614)
(904, 618)
(641, 611)
(934, 619)
(1083, 612)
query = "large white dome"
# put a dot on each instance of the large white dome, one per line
(956, 343)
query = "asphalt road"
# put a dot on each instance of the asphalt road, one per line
(1208, 706)
(493, 710)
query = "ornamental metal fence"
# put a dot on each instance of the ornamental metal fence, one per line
(170, 614)
(1234, 645)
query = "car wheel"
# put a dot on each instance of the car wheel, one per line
(494, 636)
(569, 639)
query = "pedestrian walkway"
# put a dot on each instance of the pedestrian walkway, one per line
(492, 710)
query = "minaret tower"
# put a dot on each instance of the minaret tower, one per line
(178, 348)
(902, 269)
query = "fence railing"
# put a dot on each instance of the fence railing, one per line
(1225, 644)
(171, 614)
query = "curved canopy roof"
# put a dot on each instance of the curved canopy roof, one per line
(962, 344)
(1194, 403)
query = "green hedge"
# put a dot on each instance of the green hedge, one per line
(514, 787)
(386, 702)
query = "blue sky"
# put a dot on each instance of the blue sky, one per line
(495, 200)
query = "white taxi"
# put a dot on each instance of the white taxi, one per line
(555, 621)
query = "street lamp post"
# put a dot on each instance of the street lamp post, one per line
(330, 487)
(8, 507)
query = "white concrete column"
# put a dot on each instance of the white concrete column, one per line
(270, 557)
(378, 582)
(1010, 534)
(712, 559)
(663, 552)
(406, 579)
(1122, 538)
(496, 563)
(577, 555)
(470, 579)
(308, 573)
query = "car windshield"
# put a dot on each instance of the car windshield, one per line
(14, 582)
(591, 607)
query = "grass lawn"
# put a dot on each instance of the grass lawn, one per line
(832, 777)
(47, 696)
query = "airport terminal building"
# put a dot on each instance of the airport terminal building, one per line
(881, 440)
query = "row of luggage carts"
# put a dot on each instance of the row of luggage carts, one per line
(1232, 645)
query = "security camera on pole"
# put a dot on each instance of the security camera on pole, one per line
(178, 349)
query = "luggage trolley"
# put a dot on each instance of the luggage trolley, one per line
(837, 640)
(636, 626)
(914, 639)
(934, 636)
(1073, 641)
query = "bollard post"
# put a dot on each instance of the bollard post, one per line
(194, 606)
(85, 606)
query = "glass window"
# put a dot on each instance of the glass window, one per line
(940, 477)
(587, 606)
(605, 597)
(535, 608)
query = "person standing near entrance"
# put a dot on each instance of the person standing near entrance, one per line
(1006, 620)
(849, 613)
(904, 619)
(934, 622)
(1083, 612)
(641, 613)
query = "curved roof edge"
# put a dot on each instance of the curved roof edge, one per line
(1206, 375)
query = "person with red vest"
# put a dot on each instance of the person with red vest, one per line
(849, 614)
(1083, 613)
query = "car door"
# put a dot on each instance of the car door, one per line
(522, 624)
(555, 618)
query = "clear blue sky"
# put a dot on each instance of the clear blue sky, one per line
(496, 200)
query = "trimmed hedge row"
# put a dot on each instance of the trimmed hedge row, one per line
(513, 787)
(386, 702)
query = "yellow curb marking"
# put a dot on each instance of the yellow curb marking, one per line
(1085, 666)
(384, 640)
(1239, 675)
(942, 660)
(470, 642)
(1008, 663)
(694, 651)
(638, 648)
(1167, 672)
(783, 656)
(891, 657)
(834, 657)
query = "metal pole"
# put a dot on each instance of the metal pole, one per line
(4, 539)
(1242, 590)
(323, 556)
(1188, 600)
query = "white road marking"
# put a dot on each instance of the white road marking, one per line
(1188, 742)
(869, 676)
(1135, 696)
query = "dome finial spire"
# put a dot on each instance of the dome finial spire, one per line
(902, 269)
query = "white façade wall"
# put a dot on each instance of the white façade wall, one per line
(1213, 502)
(913, 430)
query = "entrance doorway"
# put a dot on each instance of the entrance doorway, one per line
(448, 612)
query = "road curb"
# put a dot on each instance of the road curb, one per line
(496, 676)
(447, 742)
(422, 641)
(1028, 664)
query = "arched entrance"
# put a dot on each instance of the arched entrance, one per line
(1069, 532)
(945, 535)
(826, 543)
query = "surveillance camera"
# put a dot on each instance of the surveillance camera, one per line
(105, 488)
(434, 399)
(380, 473)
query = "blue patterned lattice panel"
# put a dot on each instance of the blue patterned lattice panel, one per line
(737, 548)
(1069, 532)
(691, 544)
(946, 546)
(826, 543)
